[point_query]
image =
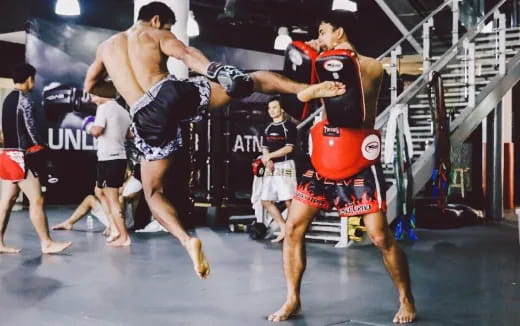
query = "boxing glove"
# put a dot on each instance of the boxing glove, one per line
(58, 100)
(347, 110)
(237, 83)
(88, 123)
(299, 66)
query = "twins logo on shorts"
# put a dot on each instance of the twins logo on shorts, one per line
(371, 147)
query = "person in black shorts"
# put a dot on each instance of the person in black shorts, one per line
(110, 127)
(135, 61)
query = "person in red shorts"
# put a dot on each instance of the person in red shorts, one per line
(345, 174)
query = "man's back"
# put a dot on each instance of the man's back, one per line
(371, 77)
(134, 60)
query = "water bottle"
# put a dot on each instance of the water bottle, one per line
(90, 223)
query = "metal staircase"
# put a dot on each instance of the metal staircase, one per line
(478, 69)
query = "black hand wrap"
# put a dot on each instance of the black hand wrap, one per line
(237, 83)
(58, 100)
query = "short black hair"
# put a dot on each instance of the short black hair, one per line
(275, 98)
(340, 18)
(166, 15)
(22, 71)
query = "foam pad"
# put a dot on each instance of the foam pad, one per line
(298, 66)
(347, 110)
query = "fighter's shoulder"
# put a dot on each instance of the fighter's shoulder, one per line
(373, 66)
(118, 37)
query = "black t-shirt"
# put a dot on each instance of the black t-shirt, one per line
(277, 135)
(18, 121)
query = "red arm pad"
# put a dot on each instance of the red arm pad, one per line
(347, 110)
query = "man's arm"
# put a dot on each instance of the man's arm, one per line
(100, 122)
(191, 57)
(97, 131)
(279, 152)
(26, 105)
(96, 74)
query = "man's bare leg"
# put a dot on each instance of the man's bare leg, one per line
(116, 211)
(9, 193)
(395, 262)
(152, 173)
(84, 207)
(277, 216)
(32, 189)
(113, 233)
(294, 258)
(271, 82)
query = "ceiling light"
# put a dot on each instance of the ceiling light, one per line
(283, 39)
(193, 26)
(344, 5)
(67, 8)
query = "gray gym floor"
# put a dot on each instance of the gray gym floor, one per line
(467, 276)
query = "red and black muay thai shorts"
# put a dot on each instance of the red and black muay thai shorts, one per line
(360, 194)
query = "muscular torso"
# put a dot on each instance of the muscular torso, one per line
(134, 61)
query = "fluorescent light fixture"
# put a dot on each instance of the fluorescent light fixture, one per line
(344, 5)
(193, 26)
(283, 39)
(67, 8)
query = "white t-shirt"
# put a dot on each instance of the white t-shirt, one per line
(115, 120)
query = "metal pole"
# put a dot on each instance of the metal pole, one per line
(455, 22)
(502, 44)
(394, 57)
(426, 44)
(469, 76)
(495, 192)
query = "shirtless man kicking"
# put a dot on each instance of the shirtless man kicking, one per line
(135, 61)
(360, 194)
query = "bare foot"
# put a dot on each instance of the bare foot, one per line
(120, 242)
(324, 89)
(288, 310)
(53, 247)
(62, 226)
(200, 264)
(112, 237)
(9, 250)
(107, 231)
(280, 236)
(406, 313)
